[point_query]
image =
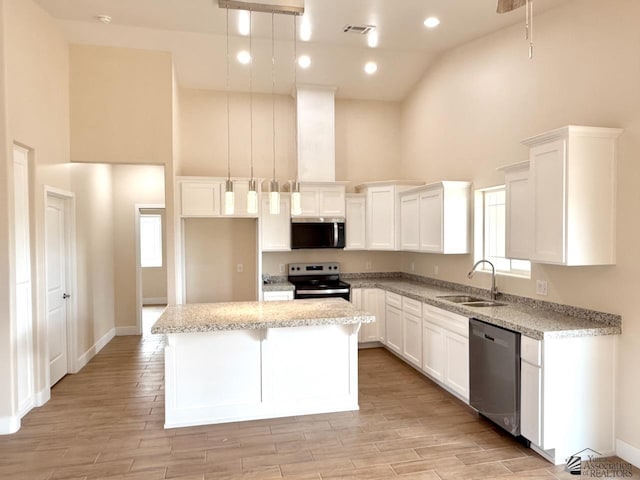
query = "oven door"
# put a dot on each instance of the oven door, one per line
(337, 292)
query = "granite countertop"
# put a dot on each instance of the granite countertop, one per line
(528, 318)
(278, 286)
(209, 317)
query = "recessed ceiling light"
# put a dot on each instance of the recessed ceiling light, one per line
(106, 19)
(305, 30)
(244, 22)
(304, 61)
(244, 57)
(371, 68)
(372, 39)
(432, 22)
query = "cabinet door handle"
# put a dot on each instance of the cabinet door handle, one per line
(65, 296)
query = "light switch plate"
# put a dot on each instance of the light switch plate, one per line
(240, 268)
(542, 287)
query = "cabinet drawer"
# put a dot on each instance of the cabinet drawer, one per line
(531, 350)
(394, 300)
(447, 320)
(412, 306)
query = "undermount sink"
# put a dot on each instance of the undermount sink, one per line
(484, 303)
(470, 301)
(460, 298)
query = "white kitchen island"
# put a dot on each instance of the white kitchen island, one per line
(228, 362)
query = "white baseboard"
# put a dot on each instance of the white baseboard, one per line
(123, 331)
(94, 349)
(9, 425)
(154, 301)
(628, 453)
(42, 397)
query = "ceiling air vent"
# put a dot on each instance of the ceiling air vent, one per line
(359, 29)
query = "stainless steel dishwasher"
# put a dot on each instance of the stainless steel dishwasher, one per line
(494, 374)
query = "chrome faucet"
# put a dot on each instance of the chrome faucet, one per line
(494, 289)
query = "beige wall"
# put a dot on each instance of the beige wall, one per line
(93, 187)
(121, 105)
(469, 113)
(213, 249)
(37, 115)
(367, 140)
(132, 184)
(350, 262)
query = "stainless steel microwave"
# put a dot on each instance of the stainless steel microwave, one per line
(317, 233)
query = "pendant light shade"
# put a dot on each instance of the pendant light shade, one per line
(229, 197)
(296, 202)
(252, 194)
(274, 197)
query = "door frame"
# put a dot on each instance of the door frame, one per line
(137, 207)
(69, 198)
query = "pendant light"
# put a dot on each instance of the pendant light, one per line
(296, 202)
(229, 197)
(274, 187)
(252, 194)
(529, 26)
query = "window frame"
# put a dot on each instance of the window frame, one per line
(479, 231)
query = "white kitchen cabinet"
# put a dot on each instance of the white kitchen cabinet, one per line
(433, 350)
(383, 213)
(412, 331)
(272, 296)
(409, 222)
(573, 188)
(322, 200)
(394, 322)
(371, 300)
(355, 222)
(518, 214)
(275, 230)
(567, 393)
(445, 349)
(200, 198)
(444, 217)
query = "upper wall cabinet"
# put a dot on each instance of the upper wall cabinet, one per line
(204, 197)
(355, 226)
(519, 224)
(322, 200)
(573, 188)
(383, 213)
(435, 218)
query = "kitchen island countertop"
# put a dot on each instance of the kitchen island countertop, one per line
(210, 317)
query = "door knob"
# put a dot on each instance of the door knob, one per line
(65, 296)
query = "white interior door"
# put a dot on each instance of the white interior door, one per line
(23, 312)
(57, 292)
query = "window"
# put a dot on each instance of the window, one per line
(490, 233)
(150, 240)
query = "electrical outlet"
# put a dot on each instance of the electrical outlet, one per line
(368, 265)
(436, 269)
(281, 267)
(413, 266)
(542, 287)
(240, 268)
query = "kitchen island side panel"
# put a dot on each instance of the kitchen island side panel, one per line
(237, 375)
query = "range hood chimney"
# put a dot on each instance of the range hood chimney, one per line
(316, 134)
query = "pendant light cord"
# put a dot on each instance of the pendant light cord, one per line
(273, 93)
(228, 111)
(251, 88)
(295, 87)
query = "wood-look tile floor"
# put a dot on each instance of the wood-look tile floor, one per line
(107, 423)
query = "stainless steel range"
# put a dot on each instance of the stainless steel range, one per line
(318, 280)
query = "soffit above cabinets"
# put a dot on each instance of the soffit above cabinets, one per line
(194, 31)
